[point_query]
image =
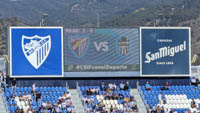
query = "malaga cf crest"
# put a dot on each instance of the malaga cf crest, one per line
(79, 45)
(36, 49)
(123, 45)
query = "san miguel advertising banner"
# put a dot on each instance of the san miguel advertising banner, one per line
(36, 52)
(101, 49)
(165, 51)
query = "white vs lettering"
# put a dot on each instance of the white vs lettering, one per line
(101, 46)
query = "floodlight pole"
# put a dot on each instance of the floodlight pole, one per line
(45, 15)
(98, 23)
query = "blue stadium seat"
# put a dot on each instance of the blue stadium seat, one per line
(17, 89)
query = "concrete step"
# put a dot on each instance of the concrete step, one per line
(140, 103)
(2, 107)
(77, 103)
(80, 111)
(3, 112)
(79, 108)
(75, 97)
(140, 106)
(76, 100)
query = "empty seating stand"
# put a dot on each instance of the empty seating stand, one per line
(177, 97)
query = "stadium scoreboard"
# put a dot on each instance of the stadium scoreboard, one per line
(165, 51)
(36, 52)
(101, 49)
(99, 52)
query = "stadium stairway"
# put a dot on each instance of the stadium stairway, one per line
(77, 101)
(140, 103)
(2, 104)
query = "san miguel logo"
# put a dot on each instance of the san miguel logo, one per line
(36, 49)
(123, 45)
(164, 52)
(79, 45)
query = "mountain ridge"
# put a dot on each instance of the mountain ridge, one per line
(83, 13)
(73, 12)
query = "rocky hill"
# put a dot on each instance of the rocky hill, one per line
(186, 13)
(4, 26)
(73, 12)
(111, 13)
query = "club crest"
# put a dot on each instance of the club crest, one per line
(123, 45)
(36, 49)
(79, 45)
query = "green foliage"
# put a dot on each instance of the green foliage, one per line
(160, 15)
(76, 12)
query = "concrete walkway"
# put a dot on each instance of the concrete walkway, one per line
(76, 100)
(140, 103)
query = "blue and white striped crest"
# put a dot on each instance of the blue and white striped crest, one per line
(79, 45)
(36, 49)
(123, 46)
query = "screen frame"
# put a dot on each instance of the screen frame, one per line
(34, 76)
(166, 75)
(105, 74)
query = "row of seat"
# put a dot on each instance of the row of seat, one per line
(44, 89)
(12, 109)
(189, 96)
(176, 101)
(172, 106)
(181, 110)
(171, 87)
(172, 101)
(156, 92)
(98, 99)
(84, 88)
(101, 97)
(177, 97)
(112, 102)
(108, 106)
